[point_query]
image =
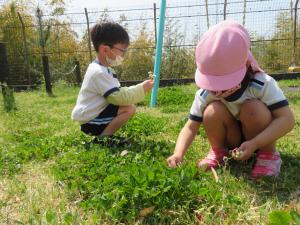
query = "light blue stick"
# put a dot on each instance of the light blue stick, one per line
(158, 52)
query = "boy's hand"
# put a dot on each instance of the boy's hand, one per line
(174, 160)
(148, 84)
(151, 75)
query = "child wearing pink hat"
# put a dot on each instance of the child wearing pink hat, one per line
(240, 106)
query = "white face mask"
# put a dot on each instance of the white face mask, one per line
(114, 62)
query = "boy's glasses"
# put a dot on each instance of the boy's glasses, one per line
(120, 49)
(123, 50)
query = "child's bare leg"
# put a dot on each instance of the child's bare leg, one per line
(221, 127)
(255, 117)
(223, 132)
(124, 114)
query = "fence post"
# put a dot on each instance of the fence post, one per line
(207, 16)
(89, 35)
(42, 40)
(7, 92)
(44, 56)
(244, 12)
(4, 69)
(47, 74)
(292, 12)
(225, 7)
(295, 32)
(27, 73)
(77, 72)
(158, 52)
(58, 44)
(154, 17)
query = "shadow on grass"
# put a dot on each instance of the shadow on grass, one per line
(283, 187)
(159, 149)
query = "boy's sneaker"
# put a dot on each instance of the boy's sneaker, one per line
(112, 141)
(267, 164)
(213, 159)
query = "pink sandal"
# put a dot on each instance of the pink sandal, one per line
(267, 164)
(213, 159)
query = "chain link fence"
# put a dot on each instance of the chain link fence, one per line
(64, 39)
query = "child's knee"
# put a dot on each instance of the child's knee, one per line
(130, 110)
(255, 112)
(127, 111)
(214, 110)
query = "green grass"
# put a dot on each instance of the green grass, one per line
(107, 188)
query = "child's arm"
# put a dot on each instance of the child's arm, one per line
(184, 140)
(130, 95)
(282, 123)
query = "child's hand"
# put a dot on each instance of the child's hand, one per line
(247, 148)
(174, 160)
(151, 75)
(148, 84)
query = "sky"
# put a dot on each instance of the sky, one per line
(191, 17)
(258, 22)
(78, 5)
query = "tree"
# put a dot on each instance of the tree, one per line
(276, 53)
(12, 35)
(139, 60)
(178, 60)
(58, 41)
(49, 35)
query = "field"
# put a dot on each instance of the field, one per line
(52, 174)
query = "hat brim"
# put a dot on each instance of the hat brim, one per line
(220, 83)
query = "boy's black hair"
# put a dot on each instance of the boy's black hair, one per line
(108, 33)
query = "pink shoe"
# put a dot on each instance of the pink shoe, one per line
(267, 164)
(213, 159)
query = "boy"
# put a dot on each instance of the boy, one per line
(103, 106)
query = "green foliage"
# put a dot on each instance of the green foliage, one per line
(51, 217)
(10, 26)
(139, 60)
(32, 146)
(53, 33)
(276, 55)
(25, 49)
(177, 61)
(144, 124)
(117, 188)
(58, 38)
(280, 217)
(296, 217)
(122, 186)
(8, 98)
(175, 99)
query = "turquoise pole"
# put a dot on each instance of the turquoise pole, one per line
(158, 52)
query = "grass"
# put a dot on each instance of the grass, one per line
(52, 174)
(32, 196)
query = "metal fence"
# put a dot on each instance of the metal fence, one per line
(64, 38)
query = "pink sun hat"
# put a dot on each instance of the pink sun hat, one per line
(223, 55)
